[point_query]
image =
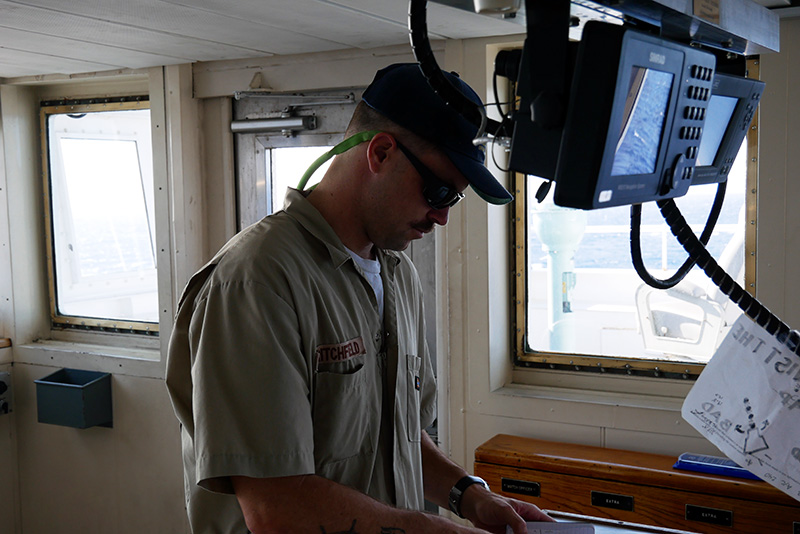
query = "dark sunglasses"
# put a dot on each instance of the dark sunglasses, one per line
(437, 194)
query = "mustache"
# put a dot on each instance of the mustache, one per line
(423, 227)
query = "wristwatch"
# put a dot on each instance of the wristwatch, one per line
(457, 492)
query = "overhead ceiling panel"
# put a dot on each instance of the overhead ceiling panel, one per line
(72, 36)
(332, 21)
(29, 45)
(24, 63)
(173, 21)
(442, 21)
(93, 31)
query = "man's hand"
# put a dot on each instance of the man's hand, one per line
(493, 512)
(488, 511)
(313, 504)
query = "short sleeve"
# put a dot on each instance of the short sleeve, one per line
(251, 407)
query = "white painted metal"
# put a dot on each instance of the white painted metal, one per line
(67, 37)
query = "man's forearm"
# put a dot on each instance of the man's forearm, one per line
(314, 504)
(440, 473)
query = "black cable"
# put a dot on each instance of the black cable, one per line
(683, 270)
(496, 97)
(421, 46)
(506, 124)
(748, 304)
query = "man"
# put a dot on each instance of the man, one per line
(298, 366)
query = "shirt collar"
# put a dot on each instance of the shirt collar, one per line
(297, 206)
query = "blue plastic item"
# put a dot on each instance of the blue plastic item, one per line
(714, 465)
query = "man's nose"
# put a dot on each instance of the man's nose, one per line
(439, 216)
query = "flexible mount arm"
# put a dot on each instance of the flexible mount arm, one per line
(683, 270)
(749, 305)
(421, 46)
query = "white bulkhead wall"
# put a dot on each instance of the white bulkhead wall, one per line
(128, 479)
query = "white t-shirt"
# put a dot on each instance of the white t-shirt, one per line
(372, 272)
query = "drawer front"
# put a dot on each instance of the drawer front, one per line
(648, 505)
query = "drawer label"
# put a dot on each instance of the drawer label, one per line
(711, 515)
(523, 487)
(612, 500)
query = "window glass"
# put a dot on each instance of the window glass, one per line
(583, 296)
(102, 232)
(288, 164)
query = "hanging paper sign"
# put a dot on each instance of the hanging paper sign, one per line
(747, 403)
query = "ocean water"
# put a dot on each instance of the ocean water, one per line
(606, 242)
(110, 247)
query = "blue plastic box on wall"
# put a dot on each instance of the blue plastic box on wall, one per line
(75, 398)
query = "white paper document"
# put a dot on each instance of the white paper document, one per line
(545, 527)
(747, 403)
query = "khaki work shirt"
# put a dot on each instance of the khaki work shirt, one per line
(277, 363)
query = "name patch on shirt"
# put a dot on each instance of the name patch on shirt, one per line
(340, 352)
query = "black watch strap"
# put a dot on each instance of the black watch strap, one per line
(458, 489)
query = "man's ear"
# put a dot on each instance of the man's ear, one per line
(378, 151)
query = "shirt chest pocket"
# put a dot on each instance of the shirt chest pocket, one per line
(413, 387)
(344, 413)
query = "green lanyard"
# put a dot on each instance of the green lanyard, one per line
(344, 146)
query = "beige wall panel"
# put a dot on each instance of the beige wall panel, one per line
(125, 479)
(92, 85)
(19, 108)
(149, 470)
(218, 174)
(658, 442)
(793, 117)
(9, 515)
(778, 246)
(305, 72)
(790, 46)
(184, 116)
(6, 291)
(8, 510)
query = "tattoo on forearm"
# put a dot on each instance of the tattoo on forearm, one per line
(352, 530)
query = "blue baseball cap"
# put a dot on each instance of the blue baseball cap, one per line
(401, 93)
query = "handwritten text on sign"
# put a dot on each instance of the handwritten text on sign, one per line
(747, 403)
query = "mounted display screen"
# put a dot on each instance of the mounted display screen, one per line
(719, 112)
(634, 121)
(642, 122)
(730, 111)
(646, 118)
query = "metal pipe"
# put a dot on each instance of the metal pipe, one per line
(277, 124)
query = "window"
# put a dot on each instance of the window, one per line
(580, 304)
(276, 169)
(288, 164)
(270, 159)
(100, 216)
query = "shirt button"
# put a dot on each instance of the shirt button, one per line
(378, 337)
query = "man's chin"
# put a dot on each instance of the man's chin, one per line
(397, 246)
(402, 243)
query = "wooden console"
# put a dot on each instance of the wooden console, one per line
(633, 487)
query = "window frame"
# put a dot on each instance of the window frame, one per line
(525, 358)
(331, 111)
(59, 320)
